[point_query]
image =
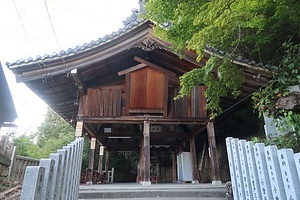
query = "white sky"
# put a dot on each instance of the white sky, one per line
(74, 21)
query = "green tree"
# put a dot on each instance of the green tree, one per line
(26, 146)
(53, 133)
(267, 31)
(53, 127)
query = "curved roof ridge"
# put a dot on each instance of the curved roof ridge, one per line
(129, 23)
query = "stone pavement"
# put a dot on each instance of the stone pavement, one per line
(126, 191)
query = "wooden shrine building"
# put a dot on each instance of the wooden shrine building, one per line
(119, 90)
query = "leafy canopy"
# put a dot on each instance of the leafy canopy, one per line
(254, 29)
(53, 133)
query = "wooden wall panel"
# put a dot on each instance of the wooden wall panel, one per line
(155, 89)
(137, 92)
(147, 91)
(193, 105)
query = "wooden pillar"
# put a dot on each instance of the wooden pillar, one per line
(213, 154)
(142, 167)
(101, 153)
(194, 160)
(146, 134)
(174, 169)
(106, 162)
(91, 160)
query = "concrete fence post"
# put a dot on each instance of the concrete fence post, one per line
(71, 168)
(62, 178)
(33, 183)
(48, 164)
(55, 184)
(259, 172)
(57, 178)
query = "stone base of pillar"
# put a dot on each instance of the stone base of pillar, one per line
(195, 182)
(216, 182)
(146, 183)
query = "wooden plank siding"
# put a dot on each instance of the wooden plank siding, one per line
(193, 105)
(101, 102)
(111, 102)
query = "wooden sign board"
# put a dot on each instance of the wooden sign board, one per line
(93, 143)
(79, 128)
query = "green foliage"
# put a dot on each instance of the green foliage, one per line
(286, 74)
(52, 134)
(53, 126)
(290, 140)
(25, 144)
(254, 29)
(228, 82)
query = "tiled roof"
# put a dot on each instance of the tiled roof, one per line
(131, 22)
(241, 59)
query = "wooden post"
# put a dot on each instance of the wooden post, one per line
(146, 134)
(91, 160)
(142, 167)
(213, 154)
(194, 160)
(106, 163)
(174, 169)
(101, 153)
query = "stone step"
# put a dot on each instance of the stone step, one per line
(162, 191)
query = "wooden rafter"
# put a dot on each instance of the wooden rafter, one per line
(79, 81)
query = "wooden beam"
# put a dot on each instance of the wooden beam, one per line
(138, 135)
(150, 64)
(139, 119)
(79, 81)
(131, 69)
(89, 129)
(172, 75)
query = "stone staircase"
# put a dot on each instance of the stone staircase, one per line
(125, 191)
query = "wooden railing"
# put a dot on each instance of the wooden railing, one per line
(12, 165)
(259, 172)
(19, 165)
